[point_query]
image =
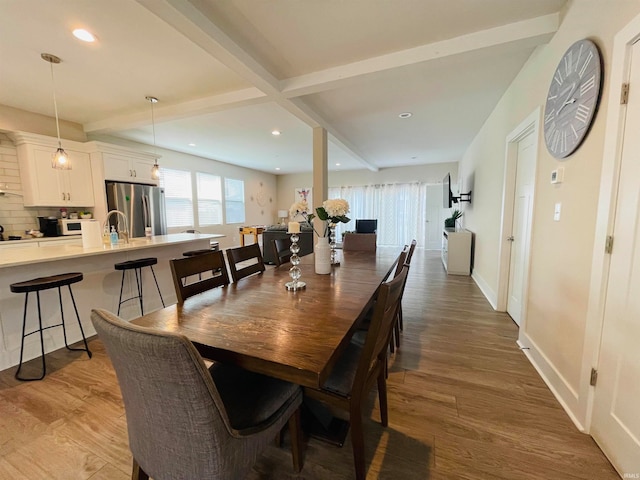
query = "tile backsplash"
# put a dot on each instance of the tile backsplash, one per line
(14, 216)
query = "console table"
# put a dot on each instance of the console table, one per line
(255, 231)
(456, 251)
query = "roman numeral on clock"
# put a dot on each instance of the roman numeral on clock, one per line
(582, 113)
(585, 64)
(588, 85)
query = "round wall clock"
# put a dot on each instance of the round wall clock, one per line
(573, 98)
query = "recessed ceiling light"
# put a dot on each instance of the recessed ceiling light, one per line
(277, 168)
(275, 132)
(337, 164)
(84, 35)
(405, 114)
(192, 144)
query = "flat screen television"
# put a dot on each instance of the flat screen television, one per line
(447, 195)
(366, 226)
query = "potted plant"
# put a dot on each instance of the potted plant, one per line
(451, 221)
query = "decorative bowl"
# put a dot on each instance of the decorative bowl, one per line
(85, 215)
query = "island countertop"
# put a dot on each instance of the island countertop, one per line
(30, 254)
(99, 288)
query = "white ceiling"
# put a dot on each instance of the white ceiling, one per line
(228, 72)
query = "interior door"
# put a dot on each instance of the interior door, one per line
(434, 218)
(521, 230)
(615, 421)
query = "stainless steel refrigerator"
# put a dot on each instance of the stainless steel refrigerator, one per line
(143, 205)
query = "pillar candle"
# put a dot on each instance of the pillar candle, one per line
(294, 227)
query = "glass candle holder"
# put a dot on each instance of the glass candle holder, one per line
(294, 272)
(332, 244)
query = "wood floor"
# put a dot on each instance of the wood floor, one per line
(464, 404)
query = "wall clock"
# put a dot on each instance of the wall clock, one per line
(573, 98)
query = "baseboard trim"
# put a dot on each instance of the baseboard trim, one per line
(564, 393)
(486, 290)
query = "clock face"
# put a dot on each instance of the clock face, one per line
(572, 99)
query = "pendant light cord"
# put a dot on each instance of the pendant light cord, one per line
(55, 105)
(153, 128)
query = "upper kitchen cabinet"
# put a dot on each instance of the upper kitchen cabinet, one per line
(44, 186)
(123, 164)
(127, 169)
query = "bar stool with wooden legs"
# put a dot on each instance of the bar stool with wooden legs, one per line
(137, 266)
(37, 285)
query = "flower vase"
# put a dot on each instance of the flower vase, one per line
(322, 253)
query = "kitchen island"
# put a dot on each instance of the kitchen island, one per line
(99, 289)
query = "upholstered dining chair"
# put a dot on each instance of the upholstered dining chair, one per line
(362, 242)
(362, 365)
(250, 254)
(182, 268)
(281, 250)
(187, 422)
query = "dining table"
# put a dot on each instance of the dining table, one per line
(261, 326)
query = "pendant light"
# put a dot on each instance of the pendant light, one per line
(60, 159)
(155, 170)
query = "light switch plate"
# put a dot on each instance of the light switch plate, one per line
(556, 212)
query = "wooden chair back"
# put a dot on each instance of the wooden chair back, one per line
(281, 250)
(374, 352)
(362, 242)
(181, 268)
(411, 249)
(239, 255)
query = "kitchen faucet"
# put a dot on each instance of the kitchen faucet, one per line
(125, 232)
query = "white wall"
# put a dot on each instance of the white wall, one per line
(561, 251)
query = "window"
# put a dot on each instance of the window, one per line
(178, 197)
(209, 190)
(234, 200)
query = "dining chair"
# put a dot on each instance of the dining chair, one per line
(365, 325)
(281, 250)
(187, 421)
(408, 260)
(249, 253)
(360, 366)
(181, 268)
(362, 242)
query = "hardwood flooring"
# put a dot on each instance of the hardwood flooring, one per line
(464, 403)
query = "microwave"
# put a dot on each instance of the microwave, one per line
(71, 226)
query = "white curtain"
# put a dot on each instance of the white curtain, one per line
(399, 208)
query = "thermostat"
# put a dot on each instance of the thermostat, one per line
(557, 175)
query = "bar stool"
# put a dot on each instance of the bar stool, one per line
(137, 266)
(45, 283)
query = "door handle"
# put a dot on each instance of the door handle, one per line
(510, 239)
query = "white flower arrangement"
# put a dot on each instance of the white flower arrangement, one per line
(332, 211)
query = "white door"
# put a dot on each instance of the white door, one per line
(521, 230)
(434, 218)
(616, 409)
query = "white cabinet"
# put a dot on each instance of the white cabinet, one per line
(127, 168)
(44, 186)
(456, 251)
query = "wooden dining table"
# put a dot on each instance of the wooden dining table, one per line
(259, 325)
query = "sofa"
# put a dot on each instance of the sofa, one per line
(280, 231)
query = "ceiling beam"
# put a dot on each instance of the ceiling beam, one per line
(178, 111)
(199, 27)
(532, 32)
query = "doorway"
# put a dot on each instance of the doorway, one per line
(517, 216)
